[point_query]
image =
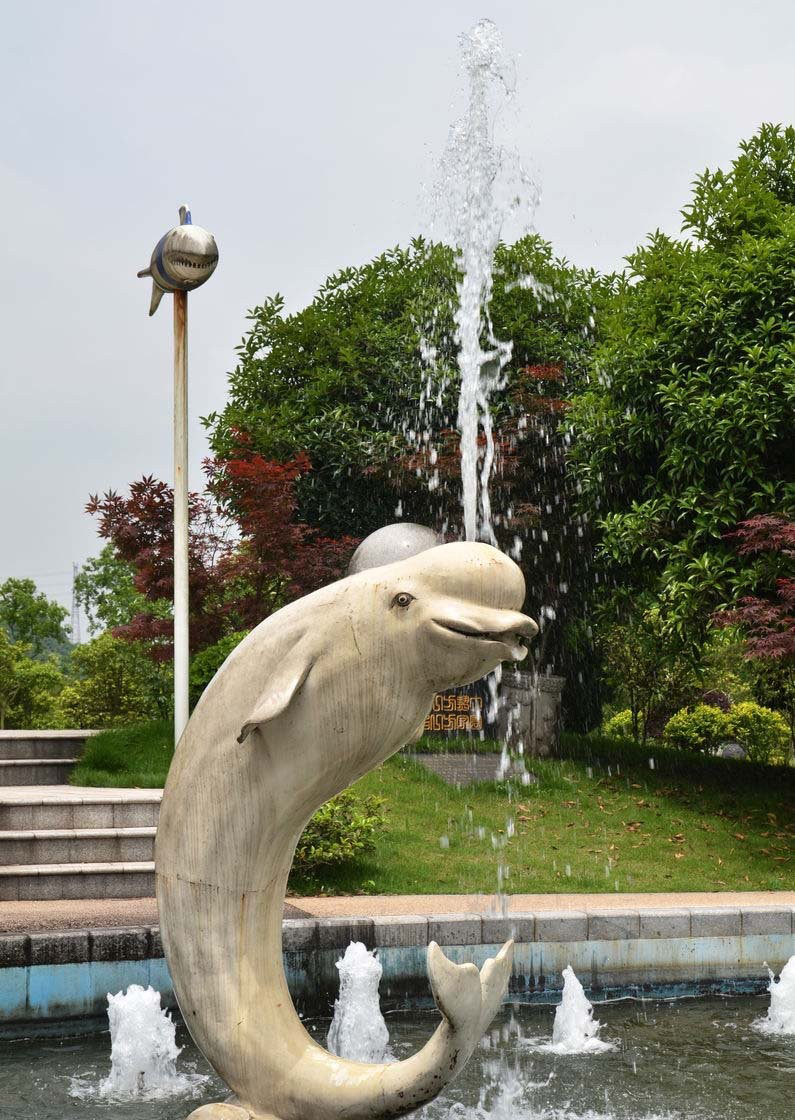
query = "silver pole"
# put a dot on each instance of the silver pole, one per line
(181, 603)
(183, 260)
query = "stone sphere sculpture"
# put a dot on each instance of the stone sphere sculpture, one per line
(316, 696)
(391, 543)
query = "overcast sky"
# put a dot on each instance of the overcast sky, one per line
(301, 134)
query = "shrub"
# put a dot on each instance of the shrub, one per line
(115, 684)
(702, 728)
(204, 665)
(343, 828)
(621, 725)
(763, 732)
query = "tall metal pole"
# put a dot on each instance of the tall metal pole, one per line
(183, 260)
(181, 626)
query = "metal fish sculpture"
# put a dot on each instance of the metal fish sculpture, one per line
(182, 260)
(316, 696)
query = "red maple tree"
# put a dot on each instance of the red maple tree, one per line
(768, 621)
(247, 554)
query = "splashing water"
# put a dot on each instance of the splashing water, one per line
(780, 1018)
(358, 1031)
(143, 1052)
(575, 1031)
(480, 184)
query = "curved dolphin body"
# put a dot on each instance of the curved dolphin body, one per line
(317, 695)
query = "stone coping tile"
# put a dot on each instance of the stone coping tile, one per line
(664, 923)
(337, 933)
(561, 925)
(14, 950)
(299, 934)
(766, 919)
(520, 927)
(60, 947)
(456, 929)
(613, 925)
(120, 944)
(404, 931)
(715, 921)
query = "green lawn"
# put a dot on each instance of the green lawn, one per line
(601, 819)
(127, 757)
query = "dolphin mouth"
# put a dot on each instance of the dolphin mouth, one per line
(510, 640)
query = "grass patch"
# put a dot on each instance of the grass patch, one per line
(127, 757)
(602, 822)
(598, 819)
(439, 744)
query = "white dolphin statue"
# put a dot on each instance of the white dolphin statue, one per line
(316, 696)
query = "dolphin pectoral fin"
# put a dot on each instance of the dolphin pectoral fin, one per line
(157, 295)
(144, 272)
(494, 977)
(455, 987)
(279, 692)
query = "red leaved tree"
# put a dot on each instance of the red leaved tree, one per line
(247, 554)
(768, 621)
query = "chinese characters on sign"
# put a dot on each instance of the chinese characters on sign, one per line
(455, 711)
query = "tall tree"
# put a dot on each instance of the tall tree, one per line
(247, 552)
(684, 428)
(29, 617)
(364, 382)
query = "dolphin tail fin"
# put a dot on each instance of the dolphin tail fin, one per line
(455, 987)
(494, 977)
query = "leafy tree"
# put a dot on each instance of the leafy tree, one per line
(768, 621)
(247, 552)
(115, 684)
(684, 428)
(205, 664)
(105, 589)
(29, 688)
(364, 382)
(28, 616)
(644, 670)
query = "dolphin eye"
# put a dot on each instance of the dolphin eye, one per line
(402, 599)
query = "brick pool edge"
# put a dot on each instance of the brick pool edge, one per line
(66, 974)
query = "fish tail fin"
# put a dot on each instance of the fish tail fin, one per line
(456, 988)
(494, 977)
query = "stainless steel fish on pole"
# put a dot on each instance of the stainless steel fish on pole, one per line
(183, 259)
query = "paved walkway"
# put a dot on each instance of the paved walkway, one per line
(17, 917)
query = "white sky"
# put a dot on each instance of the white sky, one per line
(301, 135)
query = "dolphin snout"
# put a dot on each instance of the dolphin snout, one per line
(480, 623)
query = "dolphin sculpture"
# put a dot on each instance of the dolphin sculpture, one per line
(316, 696)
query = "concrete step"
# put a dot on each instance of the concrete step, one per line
(75, 845)
(77, 807)
(28, 882)
(43, 744)
(35, 771)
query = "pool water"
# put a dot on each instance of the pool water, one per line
(684, 1060)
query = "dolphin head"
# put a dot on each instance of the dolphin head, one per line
(455, 611)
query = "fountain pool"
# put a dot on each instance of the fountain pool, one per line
(699, 1059)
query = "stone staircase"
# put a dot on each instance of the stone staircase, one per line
(69, 842)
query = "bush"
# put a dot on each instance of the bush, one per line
(621, 724)
(204, 665)
(702, 728)
(115, 684)
(343, 828)
(763, 732)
